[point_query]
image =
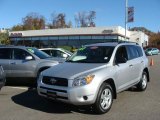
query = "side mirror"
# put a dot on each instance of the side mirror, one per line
(65, 55)
(29, 58)
(121, 60)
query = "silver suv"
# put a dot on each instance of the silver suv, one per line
(95, 74)
(24, 62)
(2, 77)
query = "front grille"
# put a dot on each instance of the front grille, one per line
(55, 81)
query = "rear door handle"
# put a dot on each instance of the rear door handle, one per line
(142, 61)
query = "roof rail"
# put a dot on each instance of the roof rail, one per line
(1, 45)
(119, 42)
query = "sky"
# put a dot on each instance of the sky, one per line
(108, 12)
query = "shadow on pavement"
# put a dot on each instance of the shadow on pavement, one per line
(32, 100)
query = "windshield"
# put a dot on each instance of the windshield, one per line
(70, 53)
(149, 49)
(92, 54)
(38, 53)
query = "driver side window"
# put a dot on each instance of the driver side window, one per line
(121, 55)
(20, 54)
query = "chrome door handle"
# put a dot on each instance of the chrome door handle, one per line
(13, 63)
(131, 65)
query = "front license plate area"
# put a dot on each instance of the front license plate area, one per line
(51, 94)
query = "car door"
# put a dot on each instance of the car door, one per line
(123, 69)
(19, 66)
(1, 76)
(136, 61)
(5, 56)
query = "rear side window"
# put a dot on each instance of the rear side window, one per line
(139, 51)
(5, 53)
(134, 52)
(47, 51)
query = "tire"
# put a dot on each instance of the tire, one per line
(104, 99)
(142, 85)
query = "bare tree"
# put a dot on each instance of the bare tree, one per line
(69, 25)
(33, 21)
(84, 19)
(58, 20)
(81, 19)
(91, 18)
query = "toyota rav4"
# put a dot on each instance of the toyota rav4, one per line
(95, 74)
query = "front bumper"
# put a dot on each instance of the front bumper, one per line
(83, 95)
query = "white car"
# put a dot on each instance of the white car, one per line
(57, 52)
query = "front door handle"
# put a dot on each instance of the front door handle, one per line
(131, 65)
(13, 63)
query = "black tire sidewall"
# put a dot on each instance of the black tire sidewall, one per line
(97, 107)
(139, 86)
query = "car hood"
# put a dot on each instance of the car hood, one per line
(60, 60)
(72, 70)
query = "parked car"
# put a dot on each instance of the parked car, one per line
(95, 74)
(2, 77)
(152, 51)
(24, 62)
(57, 52)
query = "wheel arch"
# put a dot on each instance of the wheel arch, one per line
(110, 81)
(42, 68)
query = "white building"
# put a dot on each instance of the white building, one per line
(74, 36)
(3, 30)
(139, 37)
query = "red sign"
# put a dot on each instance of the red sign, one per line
(130, 14)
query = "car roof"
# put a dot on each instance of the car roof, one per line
(51, 49)
(12, 46)
(113, 44)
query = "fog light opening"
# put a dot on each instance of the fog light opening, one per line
(85, 97)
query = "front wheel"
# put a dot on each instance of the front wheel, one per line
(104, 99)
(142, 85)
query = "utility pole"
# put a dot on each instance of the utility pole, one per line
(126, 17)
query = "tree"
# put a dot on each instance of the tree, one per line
(91, 17)
(81, 19)
(58, 21)
(4, 38)
(69, 25)
(17, 28)
(84, 19)
(33, 21)
(155, 39)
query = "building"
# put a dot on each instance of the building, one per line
(70, 36)
(3, 30)
(140, 37)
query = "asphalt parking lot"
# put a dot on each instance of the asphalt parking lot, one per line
(17, 103)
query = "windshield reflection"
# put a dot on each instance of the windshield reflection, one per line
(92, 54)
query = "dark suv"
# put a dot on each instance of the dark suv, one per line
(24, 62)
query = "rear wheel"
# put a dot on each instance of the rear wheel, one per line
(104, 99)
(142, 85)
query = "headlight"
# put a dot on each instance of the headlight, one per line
(80, 81)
